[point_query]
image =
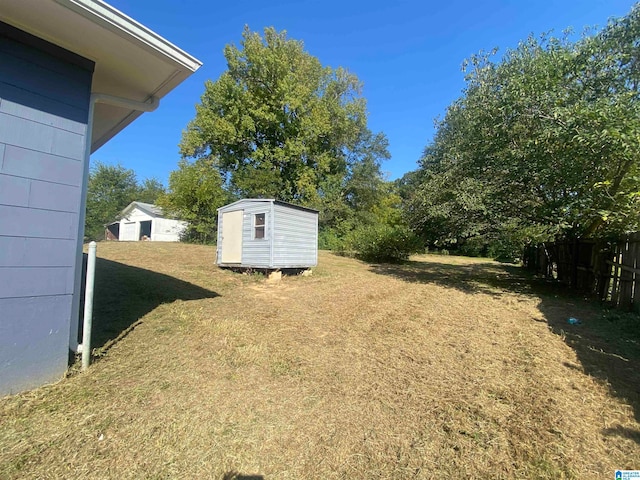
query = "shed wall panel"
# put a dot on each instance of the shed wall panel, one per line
(40, 112)
(44, 103)
(256, 252)
(291, 235)
(14, 191)
(295, 239)
(40, 54)
(66, 84)
(24, 192)
(54, 196)
(42, 138)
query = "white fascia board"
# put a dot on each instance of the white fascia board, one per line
(120, 24)
(146, 210)
(247, 200)
(125, 211)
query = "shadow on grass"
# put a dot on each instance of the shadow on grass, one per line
(239, 476)
(490, 278)
(607, 342)
(124, 294)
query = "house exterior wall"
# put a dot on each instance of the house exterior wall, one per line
(295, 238)
(44, 104)
(290, 240)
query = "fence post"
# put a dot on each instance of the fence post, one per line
(575, 251)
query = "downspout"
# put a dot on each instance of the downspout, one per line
(148, 106)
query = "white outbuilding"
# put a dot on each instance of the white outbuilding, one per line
(144, 221)
(268, 234)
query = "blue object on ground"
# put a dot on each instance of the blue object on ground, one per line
(574, 321)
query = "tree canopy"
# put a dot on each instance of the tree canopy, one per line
(195, 193)
(277, 123)
(545, 141)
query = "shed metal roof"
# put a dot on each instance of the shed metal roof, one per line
(147, 208)
(269, 200)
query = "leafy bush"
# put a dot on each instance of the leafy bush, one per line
(506, 249)
(504, 246)
(381, 243)
(328, 239)
(474, 247)
(201, 235)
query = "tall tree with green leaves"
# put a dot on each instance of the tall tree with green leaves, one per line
(150, 190)
(195, 193)
(545, 141)
(277, 123)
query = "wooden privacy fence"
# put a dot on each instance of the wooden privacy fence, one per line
(609, 270)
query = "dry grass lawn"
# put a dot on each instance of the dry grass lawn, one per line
(441, 368)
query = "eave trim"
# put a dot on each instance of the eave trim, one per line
(124, 26)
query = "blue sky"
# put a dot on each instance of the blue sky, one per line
(407, 53)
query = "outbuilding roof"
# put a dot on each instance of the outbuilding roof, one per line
(131, 61)
(147, 208)
(269, 200)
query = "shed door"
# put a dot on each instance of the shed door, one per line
(128, 232)
(232, 236)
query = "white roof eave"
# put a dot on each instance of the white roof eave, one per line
(131, 61)
(117, 22)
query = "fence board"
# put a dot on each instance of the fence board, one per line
(610, 270)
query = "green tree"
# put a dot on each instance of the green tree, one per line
(365, 189)
(150, 190)
(361, 195)
(195, 193)
(277, 122)
(110, 189)
(544, 142)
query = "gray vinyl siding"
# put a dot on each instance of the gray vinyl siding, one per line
(255, 252)
(44, 103)
(295, 238)
(291, 235)
(36, 354)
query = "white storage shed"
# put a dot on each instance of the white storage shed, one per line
(267, 233)
(144, 221)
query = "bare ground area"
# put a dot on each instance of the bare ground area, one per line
(441, 368)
